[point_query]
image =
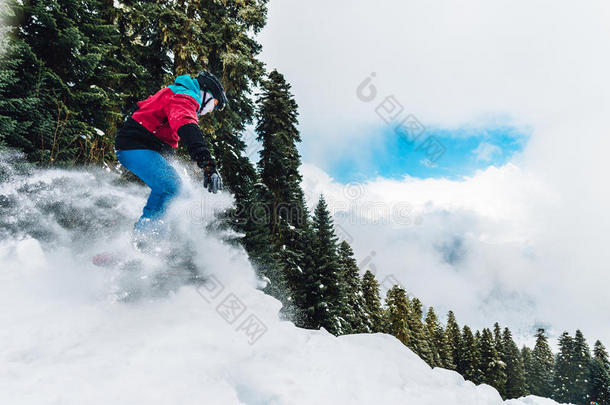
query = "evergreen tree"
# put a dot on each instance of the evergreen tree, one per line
(469, 357)
(599, 386)
(491, 365)
(454, 338)
(498, 341)
(280, 160)
(263, 254)
(541, 374)
(13, 105)
(581, 357)
(600, 353)
(323, 299)
(298, 269)
(419, 342)
(445, 352)
(370, 292)
(562, 380)
(60, 79)
(284, 211)
(396, 315)
(526, 355)
(355, 310)
(572, 369)
(436, 339)
(515, 370)
(477, 338)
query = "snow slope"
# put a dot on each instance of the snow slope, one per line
(69, 336)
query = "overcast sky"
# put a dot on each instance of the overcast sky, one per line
(510, 223)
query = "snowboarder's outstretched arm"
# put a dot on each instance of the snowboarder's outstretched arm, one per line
(192, 137)
(182, 117)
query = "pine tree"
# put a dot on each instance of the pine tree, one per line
(498, 338)
(285, 214)
(396, 315)
(469, 357)
(62, 75)
(571, 379)
(436, 339)
(419, 342)
(370, 292)
(599, 386)
(562, 379)
(515, 369)
(491, 365)
(355, 311)
(581, 357)
(324, 302)
(263, 254)
(280, 160)
(13, 106)
(477, 338)
(541, 375)
(445, 352)
(454, 338)
(600, 353)
(526, 355)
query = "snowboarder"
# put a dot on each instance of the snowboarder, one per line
(153, 132)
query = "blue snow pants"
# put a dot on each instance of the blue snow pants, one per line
(163, 180)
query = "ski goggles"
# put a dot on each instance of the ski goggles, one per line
(208, 103)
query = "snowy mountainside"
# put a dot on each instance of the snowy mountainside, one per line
(73, 333)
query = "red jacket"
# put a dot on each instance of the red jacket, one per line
(164, 113)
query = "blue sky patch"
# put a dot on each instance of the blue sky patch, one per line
(448, 153)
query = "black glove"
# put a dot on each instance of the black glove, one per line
(211, 178)
(191, 135)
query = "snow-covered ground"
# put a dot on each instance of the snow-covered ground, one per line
(67, 335)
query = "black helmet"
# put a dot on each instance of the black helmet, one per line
(207, 81)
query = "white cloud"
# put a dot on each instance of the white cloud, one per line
(534, 232)
(480, 246)
(486, 152)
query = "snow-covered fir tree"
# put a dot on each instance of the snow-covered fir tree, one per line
(498, 344)
(526, 355)
(497, 335)
(370, 292)
(515, 370)
(599, 381)
(491, 365)
(541, 374)
(562, 379)
(279, 158)
(285, 214)
(436, 339)
(355, 309)
(396, 315)
(570, 383)
(469, 358)
(419, 343)
(323, 296)
(454, 338)
(581, 358)
(60, 92)
(445, 353)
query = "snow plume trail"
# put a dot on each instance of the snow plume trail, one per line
(59, 219)
(68, 335)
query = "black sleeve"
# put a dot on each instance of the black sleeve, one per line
(192, 137)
